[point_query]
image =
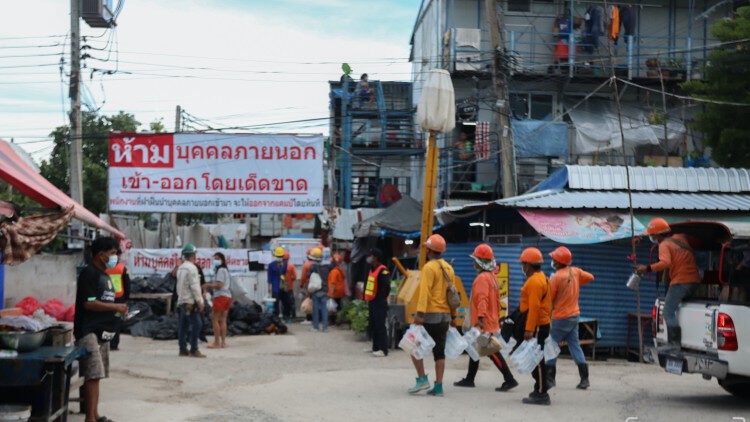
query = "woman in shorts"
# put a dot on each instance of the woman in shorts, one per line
(222, 300)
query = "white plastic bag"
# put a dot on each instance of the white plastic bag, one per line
(471, 337)
(315, 283)
(417, 342)
(454, 344)
(527, 356)
(551, 349)
(332, 305)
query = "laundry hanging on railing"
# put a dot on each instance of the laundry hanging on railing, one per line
(482, 141)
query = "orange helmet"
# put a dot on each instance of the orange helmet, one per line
(657, 226)
(562, 255)
(531, 256)
(483, 251)
(286, 255)
(338, 259)
(435, 243)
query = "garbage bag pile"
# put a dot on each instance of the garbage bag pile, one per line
(242, 319)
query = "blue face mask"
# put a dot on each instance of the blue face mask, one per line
(217, 263)
(552, 264)
(112, 262)
(651, 238)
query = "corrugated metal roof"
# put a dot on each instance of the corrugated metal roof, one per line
(619, 200)
(606, 299)
(671, 179)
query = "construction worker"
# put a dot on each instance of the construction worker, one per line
(433, 312)
(485, 314)
(536, 302)
(289, 310)
(320, 296)
(377, 289)
(565, 285)
(276, 278)
(336, 283)
(304, 278)
(675, 254)
(190, 303)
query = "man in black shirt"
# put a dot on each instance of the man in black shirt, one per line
(377, 289)
(94, 320)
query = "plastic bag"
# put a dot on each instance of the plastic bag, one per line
(454, 344)
(28, 305)
(471, 339)
(55, 309)
(315, 283)
(487, 345)
(332, 305)
(70, 314)
(417, 342)
(306, 306)
(527, 356)
(551, 349)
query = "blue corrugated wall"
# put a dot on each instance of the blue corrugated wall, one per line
(606, 299)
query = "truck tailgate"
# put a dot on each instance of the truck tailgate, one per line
(698, 323)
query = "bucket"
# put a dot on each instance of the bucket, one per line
(14, 413)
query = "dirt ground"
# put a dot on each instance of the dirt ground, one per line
(306, 376)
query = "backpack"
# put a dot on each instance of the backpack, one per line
(315, 283)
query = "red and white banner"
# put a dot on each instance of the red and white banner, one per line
(146, 262)
(216, 173)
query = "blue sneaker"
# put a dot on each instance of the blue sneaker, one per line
(422, 384)
(437, 390)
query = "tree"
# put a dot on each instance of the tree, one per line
(727, 79)
(95, 147)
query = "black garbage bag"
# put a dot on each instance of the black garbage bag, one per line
(166, 328)
(153, 284)
(143, 328)
(245, 313)
(140, 311)
(240, 326)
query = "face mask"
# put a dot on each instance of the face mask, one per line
(369, 260)
(217, 263)
(112, 262)
(279, 261)
(552, 264)
(651, 238)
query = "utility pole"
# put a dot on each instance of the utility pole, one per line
(76, 132)
(501, 106)
(177, 119)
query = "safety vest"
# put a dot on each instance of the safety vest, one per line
(115, 274)
(371, 288)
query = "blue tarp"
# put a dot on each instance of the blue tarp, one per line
(538, 138)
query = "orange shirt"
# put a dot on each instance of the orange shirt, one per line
(305, 276)
(484, 303)
(291, 276)
(680, 261)
(336, 283)
(536, 298)
(565, 299)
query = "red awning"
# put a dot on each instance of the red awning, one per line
(30, 183)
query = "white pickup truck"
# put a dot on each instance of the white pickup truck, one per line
(715, 320)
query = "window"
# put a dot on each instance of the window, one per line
(523, 5)
(532, 106)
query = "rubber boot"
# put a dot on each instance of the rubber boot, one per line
(674, 336)
(551, 373)
(583, 371)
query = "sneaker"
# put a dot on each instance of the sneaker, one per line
(368, 350)
(197, 354)
(325, 330)
(184, 354)
(314, 330)
(464, 383)
(305, 322)
(421, 385)
(378, 354)
(541, 398)
(507, 386)
(437, 390)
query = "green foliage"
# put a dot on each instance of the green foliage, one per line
(95, 146)
(357, 314)
(157, 126)
(727, 79)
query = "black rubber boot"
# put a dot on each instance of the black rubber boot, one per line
(551, 373)
(583, 371)
(674, 336)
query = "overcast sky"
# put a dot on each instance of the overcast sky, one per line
(228, 63)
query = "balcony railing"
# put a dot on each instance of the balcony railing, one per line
(536, 52)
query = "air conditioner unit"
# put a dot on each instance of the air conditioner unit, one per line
(97, 13)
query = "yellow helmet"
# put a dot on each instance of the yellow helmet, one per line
(316, 254)
(279, 252)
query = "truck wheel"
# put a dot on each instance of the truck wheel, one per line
(740, 390)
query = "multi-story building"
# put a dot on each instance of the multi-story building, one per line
(558, 58)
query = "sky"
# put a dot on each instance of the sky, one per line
(228, 63)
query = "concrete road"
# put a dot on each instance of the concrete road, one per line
(305, 376)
